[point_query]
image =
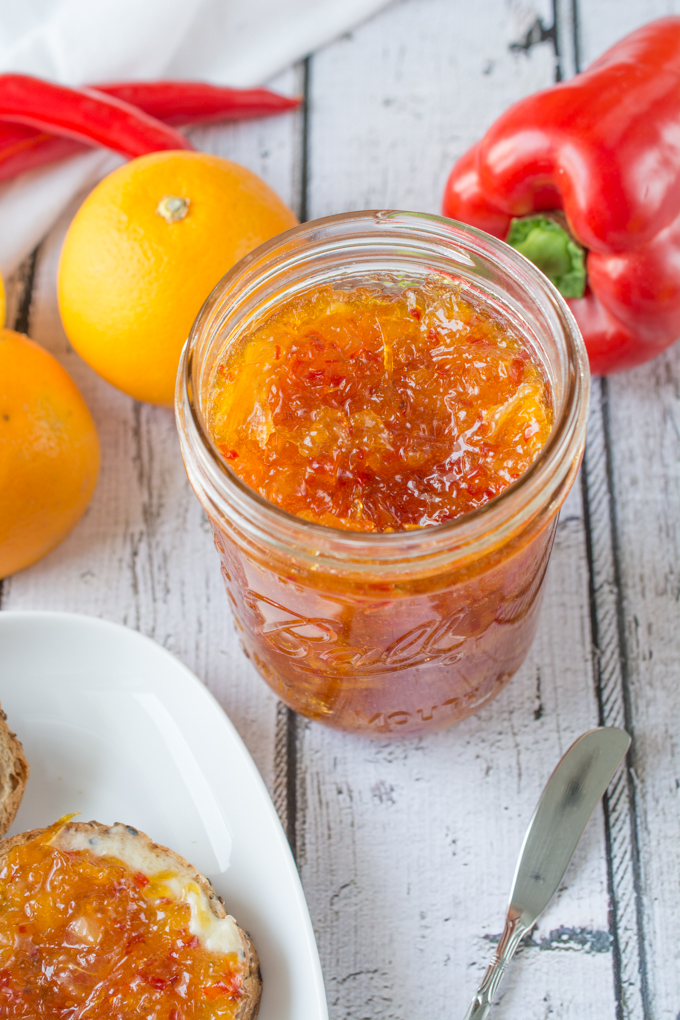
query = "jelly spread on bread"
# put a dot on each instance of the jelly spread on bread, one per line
(90, 928)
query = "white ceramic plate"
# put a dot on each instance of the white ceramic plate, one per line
(116, 728)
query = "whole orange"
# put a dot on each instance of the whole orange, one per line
(143, 253)
(49, 452)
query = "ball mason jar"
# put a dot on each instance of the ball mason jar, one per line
(382, 633)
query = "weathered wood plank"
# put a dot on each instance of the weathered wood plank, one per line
(619, 804)
(143, 554)
(646, 486)
(395, 102)
(640, 413)
(407, 848)
(602, 22)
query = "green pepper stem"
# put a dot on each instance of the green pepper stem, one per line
(542, 240)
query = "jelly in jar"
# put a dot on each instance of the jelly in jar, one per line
(381, 414)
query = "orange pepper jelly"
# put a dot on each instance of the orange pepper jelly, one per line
(377, 410)
(83, 935)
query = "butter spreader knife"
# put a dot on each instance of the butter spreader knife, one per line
(567, 802)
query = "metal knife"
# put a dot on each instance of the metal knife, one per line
(567, 802)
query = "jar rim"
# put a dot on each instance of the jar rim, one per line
(501, 515)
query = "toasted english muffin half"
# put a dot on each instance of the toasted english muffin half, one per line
(13, 774)
(214, 928)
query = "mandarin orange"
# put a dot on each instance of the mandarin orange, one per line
(49, 452)
(143, 253)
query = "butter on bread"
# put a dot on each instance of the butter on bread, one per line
(216, 930)
(13, 774)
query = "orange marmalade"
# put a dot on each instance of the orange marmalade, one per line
(85, 936)
(376, 410)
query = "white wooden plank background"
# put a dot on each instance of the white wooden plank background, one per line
(406, 848)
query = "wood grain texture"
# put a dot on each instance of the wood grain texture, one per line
(646, 488)
(609, 663)
(602, 22)
(394, 103)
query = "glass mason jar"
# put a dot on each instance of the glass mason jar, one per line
(398, 632)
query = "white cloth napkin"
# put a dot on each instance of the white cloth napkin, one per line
(227, 42)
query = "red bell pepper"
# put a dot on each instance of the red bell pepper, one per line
(603, 151)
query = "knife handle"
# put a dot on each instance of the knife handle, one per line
(513, 933)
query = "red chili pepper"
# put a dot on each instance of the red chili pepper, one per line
(23, 148)
(604, 148)
(84, 115)
(230, 987)
(194, 102)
